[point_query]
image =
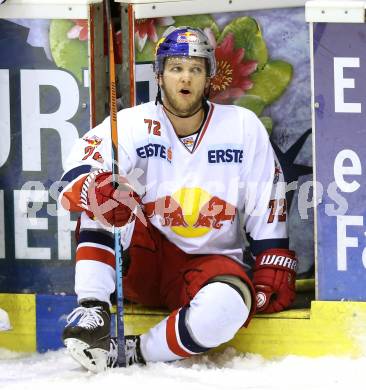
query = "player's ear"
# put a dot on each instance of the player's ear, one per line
(160, 79)
(207, 89)
(208, 81)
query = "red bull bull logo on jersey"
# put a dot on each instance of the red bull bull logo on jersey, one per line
(93, 141)
(168, 209)
(191, 212)
(214, 213)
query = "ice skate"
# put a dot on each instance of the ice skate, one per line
(87, 335)
(132, 351)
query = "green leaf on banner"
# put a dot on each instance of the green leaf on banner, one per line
(271, 82)
(148, 52)
(69, 54)
(252, 102)
(200, 21)
(267, 123)
(247, 35)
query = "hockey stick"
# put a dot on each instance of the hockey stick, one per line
(121, 357)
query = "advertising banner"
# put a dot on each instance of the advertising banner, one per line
(263, 64)
(340, 101)
(44, 109)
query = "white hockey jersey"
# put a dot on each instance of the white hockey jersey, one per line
(201, 200)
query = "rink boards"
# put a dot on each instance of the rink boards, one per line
(327, 328)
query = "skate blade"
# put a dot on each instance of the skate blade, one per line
(93, 359)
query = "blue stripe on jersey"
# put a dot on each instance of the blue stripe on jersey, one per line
(74, 173)
(96, 237)
(185, 337)
(258, 246)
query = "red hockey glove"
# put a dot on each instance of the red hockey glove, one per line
(274, 279)
(104, 202)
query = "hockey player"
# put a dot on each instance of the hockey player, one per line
(196, 176)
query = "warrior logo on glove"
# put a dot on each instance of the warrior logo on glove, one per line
(274, 279)
(261, 300)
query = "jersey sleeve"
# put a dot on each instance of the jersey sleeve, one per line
(265, 207)
(91, 153)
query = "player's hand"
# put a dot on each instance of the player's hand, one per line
(274, 277)
(110, 205)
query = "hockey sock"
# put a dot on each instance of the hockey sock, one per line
(213, 317)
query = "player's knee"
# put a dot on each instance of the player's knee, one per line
(216, 313)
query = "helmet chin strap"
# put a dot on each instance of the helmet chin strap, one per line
(158, 99)
(182, 116)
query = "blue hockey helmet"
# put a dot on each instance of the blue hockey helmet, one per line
(184, 41)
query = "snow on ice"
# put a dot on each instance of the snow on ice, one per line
(226, 370)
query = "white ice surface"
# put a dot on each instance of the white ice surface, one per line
(226, 370)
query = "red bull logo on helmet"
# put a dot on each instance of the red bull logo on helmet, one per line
(191, 212)
(187, 37)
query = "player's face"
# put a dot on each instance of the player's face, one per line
(184, 81)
